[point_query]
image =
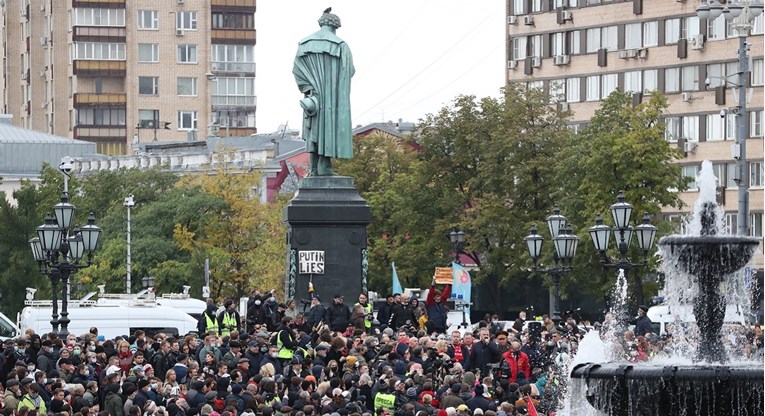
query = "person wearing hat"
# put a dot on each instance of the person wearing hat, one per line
(452, 397)
(12, 395)
(208, 321)
(316, 313)
(480, 400)
(323, 68)
(46, 359)
(142, 396)
(229, 319)
(338, 316)
(231, 358)
(285, 341)
(643, 322)
(32, 399)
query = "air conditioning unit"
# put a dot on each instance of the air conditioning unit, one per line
(690, 147)
(566, 15)
(536, 62)
(512, 64)
(686, 97)
(697, 42)
(24, 75)
(528, 20)
(179, 32)
(512, 20)
(642, 53)
(561, 59)
(563, 107)
(627, 53)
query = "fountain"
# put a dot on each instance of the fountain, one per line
(709, 384)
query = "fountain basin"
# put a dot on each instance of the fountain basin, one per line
(625, 389)
(710, 254)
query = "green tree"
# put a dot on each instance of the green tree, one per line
(621, 149)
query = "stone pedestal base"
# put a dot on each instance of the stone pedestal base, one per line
(328, 215)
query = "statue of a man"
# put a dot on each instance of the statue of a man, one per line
(323, 69)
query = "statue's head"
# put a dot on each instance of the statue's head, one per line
(329, 19)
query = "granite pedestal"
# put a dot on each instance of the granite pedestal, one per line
(328, 215)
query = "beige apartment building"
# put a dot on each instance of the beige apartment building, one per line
(584, 49)
(119, 72)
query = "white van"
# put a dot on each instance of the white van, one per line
(181, 301)
(112, 320)
(661, 315)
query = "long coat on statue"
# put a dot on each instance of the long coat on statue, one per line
(323, 68)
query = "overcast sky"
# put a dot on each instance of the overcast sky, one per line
(411, 57)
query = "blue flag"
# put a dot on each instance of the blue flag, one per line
(462, 285)
(396, 284)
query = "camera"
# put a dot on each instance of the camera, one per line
(66, 165)
(129, 201)
(723, 112)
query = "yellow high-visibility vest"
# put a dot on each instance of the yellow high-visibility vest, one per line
(284, 353)
(368, 312)
(228, 321)
(210, 324)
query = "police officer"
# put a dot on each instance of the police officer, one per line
(228, 318)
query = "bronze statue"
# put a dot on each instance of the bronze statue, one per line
(323, 69)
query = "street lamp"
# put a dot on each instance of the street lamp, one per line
(58, 254)
(457, 237)
(644, 233)
(129, 203)
(565, 244)
(148, 283)
(741, 15)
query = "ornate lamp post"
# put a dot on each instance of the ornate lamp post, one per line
(644, 233)
(741, 15)
(565, 244)
(58, 253)
(457, 238)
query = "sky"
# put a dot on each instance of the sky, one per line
(411, 57)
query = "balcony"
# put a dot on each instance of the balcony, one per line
(234, 36)
(98, 34)
(93, 68)
(233, 102)
(233, 5)
(225, 131)
(234, 67)
(101, 133)
(108, 4)
(112, 99)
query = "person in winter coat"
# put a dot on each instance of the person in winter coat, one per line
(404, 314)
(338, 316)
(385, 311)
(208, 321)
(517, 361)
(113, 403)
(479, 401)
(316, 313)
(46, 359)
(435, 305)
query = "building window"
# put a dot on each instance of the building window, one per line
(519, 7)
(691, 128)
(719, 169)
(236, 91)
(691, 27)
(610, 82)
(228, 20)
(187, 54)
(233, 58)
(716, 75)
(650, 34)
(609, 38)
(592, 41)
(755, 123)
(536, 45)
(519, 48)
(691, 171)
(757, 25)
(148, 85)
(757, 65)
(186, 20)
(148, 52)
(99, 51)
(731, 177)
(671, 80)
(755, 174)
(100, 117)
(633, 82)
(559, 43)
(633, 35)
(234, 118)
(650, 80)
(572, 90)
(593, 88)
(731, 223)
(148, 19)
(187, 86)
(716, 28)
(187, 120)
(672, 129)
(536, 6)
(671, 31)
(755, 224)
(575, 42)
(148, 119)
(721, 128)
(690, 78)
(557, 90)
(99, 17)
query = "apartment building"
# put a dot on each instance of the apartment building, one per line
(582, 50)
(119, 73)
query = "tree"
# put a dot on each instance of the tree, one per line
(622, 148)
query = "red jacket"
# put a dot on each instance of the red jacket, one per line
(444, 295)
(521, 364)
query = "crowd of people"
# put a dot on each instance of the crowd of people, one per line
(326, 360)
